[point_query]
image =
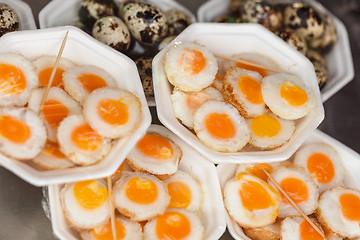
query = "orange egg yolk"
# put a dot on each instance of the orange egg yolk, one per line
(172, 226)
(90, 194)
(180, 195)
(296, 189)
(85, 138)
(155, 146)
(90, 82)
(12, 80)
(265, 126)
(53, 149)
(54, 112)
(293, 94)
(104, 232)
(261, 71)
(251, 89)
(254, 196)
(14, 129)
(141, 190)
(258, 170)
(307, 232)
(350, 206)
(192, 61)
(45, 74)
(220, 125)
(321, 167)
(113, 111)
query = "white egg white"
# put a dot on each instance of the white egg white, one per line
(290, 228)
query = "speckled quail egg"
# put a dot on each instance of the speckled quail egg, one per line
(304, 20)
(147, 24)
(321, 73)
(113, 32)
(293, 39)
(165, 42)
(9, 20)
(228, 18)
(177, 21)
(327, 40)
(315, 56)
(235, 6)
(145, 71)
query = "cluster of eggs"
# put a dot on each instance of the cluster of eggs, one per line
(153, 199)
(136, 28)
(83, 114)
(234, 104)
(310, 32)
(10, 20)
(313, 178)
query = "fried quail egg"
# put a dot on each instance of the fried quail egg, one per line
(125, 230)
(297, 228)
(287, 96)
(300, 187)
(257, 169)
(250, 201)
(339, 211)
(44, 67)
(112, 113)
(155, 154)
(190, 67)
(17, 79)
(268, 131)
(323, 163)
(80, 143)
(185, 191)
(85, 204)
(185, 104)
(22, 133)
(177, 21)
(9, 19)
(268, 232)
(58, 106)
(242, 88)
(79, 81)
(175, 224)
(140, 196)
(220, 126)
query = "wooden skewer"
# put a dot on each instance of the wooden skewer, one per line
(112, 207)
(295, 205)
(43, 100)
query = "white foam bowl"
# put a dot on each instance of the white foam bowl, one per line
(26, 18)
(340, 64)
(60, 13)
(213, 213)
(228, 39)
(350, 160)
(81, 49)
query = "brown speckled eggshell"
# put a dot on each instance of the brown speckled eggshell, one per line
(9, 20)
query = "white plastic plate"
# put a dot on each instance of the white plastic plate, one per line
(340, 64)
(81, 49)
(212, 208)
(351, 162)
(228, 39)
(27, 21)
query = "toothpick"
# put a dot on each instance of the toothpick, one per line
(249, 63)
(43, 100)
(112, 208)
(295, 205)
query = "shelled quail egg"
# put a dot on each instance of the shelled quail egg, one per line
(293, 39)
(145, 71)
(165, 42)
(228, 18)
(327, 40)
(147, 24)
(177, 21)
(91, 10)
(315, 56)
(113, 32)
(9, 20)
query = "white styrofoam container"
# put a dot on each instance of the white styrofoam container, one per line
(81, 49)
(61, 13)
(227, 39)
(213, 212)
(339, 60)
(351, 162)
(27, 21)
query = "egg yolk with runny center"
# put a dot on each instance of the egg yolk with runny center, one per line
(258, 170)
(321, 167)
(90, 82)
(14, 129)
(85, 138)
(261, 71)
(296, 189)
(293, 94)
(90, 194)
(307, 232)
(45, 74)
(192, 61)
(113, 111)
(265, 126)
(140, 190)
(12, 80)
(53, 149)
(104, 232)
(220, 126)
(180, 195)
(254, 196)
(172, 226)
(251, 89)
(155, 146)
(350, 206)
(54, 112)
